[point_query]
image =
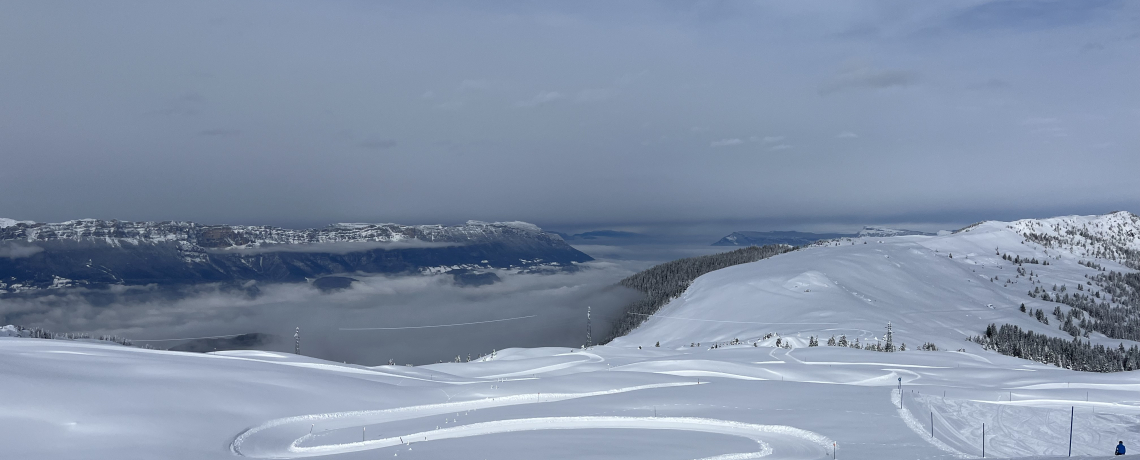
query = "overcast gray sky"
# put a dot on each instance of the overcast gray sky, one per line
(572, 115)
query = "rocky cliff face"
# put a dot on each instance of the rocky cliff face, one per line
(92, 252)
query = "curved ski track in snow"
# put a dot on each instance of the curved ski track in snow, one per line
(792, 442)
(250, 443)
(285, 437)
(591, 359)
(916, 426)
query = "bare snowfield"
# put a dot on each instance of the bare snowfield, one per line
(630, 398)
(81, 400)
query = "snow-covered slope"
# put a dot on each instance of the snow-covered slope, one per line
(722, 399)
(80, 400)
(939, 289)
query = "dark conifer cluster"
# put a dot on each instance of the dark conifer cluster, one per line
(877, 346)
(1113, 310)
(1011, 340)
(664, 282)
(1016, 259)
(40, 333)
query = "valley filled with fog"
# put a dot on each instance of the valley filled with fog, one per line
(539, 309)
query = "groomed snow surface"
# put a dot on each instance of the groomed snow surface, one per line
(629, 399)
(82, 400)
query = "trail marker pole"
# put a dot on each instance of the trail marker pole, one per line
(983, 440)
(931, 424)
(1072, 414)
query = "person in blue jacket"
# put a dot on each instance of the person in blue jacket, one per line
(1120, 448)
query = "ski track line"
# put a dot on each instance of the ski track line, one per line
(409, 412)
(806, 441)
(553, 367)
(918, 429)
(700, 373)
(839, 363)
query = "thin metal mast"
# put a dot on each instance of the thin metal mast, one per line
(890, 338)
(589, 332)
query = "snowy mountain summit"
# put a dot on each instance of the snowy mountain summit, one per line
(1079, 270)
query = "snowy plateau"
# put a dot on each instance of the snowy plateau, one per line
(724, 371)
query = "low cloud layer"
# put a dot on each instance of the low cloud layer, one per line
(14, 250)
(558, 302)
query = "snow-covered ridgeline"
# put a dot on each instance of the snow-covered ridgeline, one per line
(100, 252)
(940, 289)
(117, 232)
(1114, 236)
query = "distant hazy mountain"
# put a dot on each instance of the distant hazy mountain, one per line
(90, 252)
(601, 234)
(802, 238)
(882, 232)
(766, 238)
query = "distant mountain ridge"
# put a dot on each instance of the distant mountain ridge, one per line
(92, 252)
(602, 234)
(884, 232)
(801, 238)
